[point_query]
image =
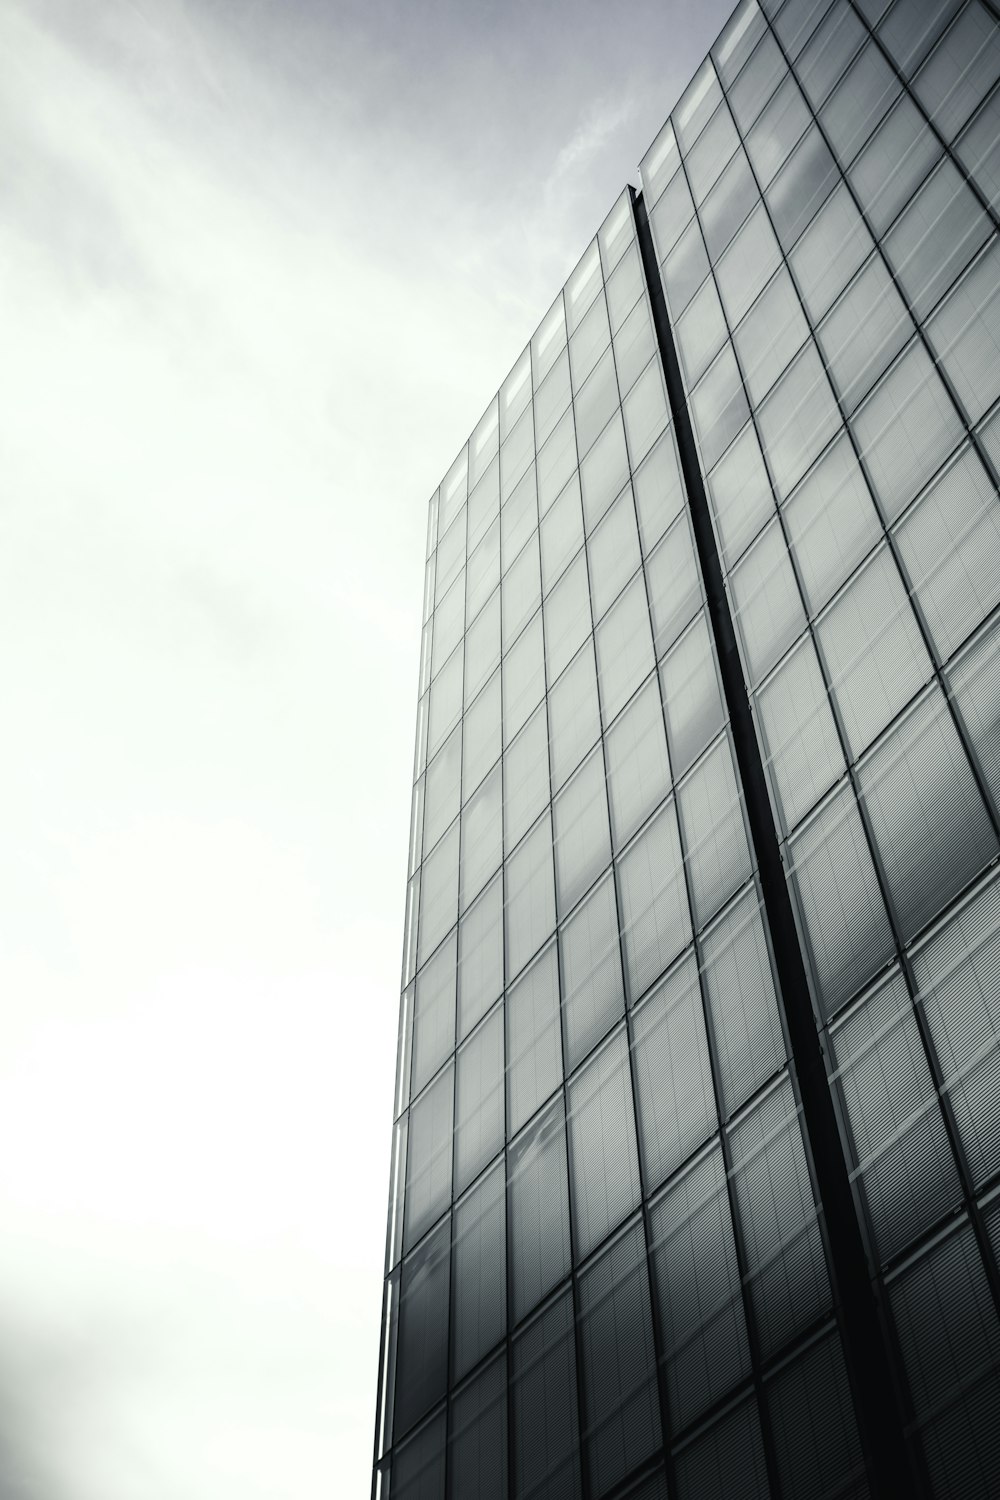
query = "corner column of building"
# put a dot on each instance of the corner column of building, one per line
(887, 1455)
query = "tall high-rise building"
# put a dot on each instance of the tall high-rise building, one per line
(696, 1154)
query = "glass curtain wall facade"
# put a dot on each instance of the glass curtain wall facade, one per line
(695, 1181)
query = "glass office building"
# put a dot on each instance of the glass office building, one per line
(695, 1183)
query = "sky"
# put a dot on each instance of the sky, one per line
(263, 263)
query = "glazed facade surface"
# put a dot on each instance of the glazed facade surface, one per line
(706, 820)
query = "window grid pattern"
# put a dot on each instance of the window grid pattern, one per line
(854, 778)
(610, 872)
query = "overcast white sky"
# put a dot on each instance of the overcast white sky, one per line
(262, 265)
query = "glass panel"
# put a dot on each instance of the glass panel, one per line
(518, 519)
(847, 929)
(523, 678)
(479, 1273)
(539, 1209)
(719, 407)
(434, 1013)
(866, 329)
(936, 237)
(697, 105)
(956, 971)
(727, 1461)
(750, 1046)
(659, 164)
(551, 399)
(976, 686)
(874, 652)
(831, 522)
(779, 127)
(747, 265)
(894, 163)
(907, 1171)
(418, 1467)
(422, 1360)
(728, 204)
(737, 39)
(522, 591)
(516, 455)
(704, 1332)
(482, 836)
(965, 331)
(477, 1446)
(673, 211)
(634, 345)
(700, 333)
(638, 770)
(928, 820)
(526, 777)
(786, 1269)
(595, 402)
(583, 286)
(548, 342)
(604, 471)
(428, 1157)
(616, 235)
(658, 491)
(591, 973)
(624, 648)
(603, 1162)
(691, 695)
(625, 287)
(534, 1054)
(741, 494)
(815, 1433)
(614, 553)
(832, 45)
(482, 648)
(479, 1100)
(574, 718)
(582, 835)
(757, 82)
(483, 572)
(801, 187)
(481, 748)
(829, 252)
(770, 334)
(979, 150)
(656, 924)
(567, 616)
(684, 269)
(673, 1076)
(946, 1320)
(645, 411)
(795, 23)
(546, 1428)
(439, 894)
(859, 102)
(531, 912)
(556, 463)
(960, 71)
(442, 788)
(480, 957)
(714, 835)
(768, 605)
(622, 1411)
(805, 757)
(590, 340)
(950, 545)
(798, 419)
(515, 394)
(673, 584)
(709, 155)
(561, 533)
(449, 621)
(912, 27)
